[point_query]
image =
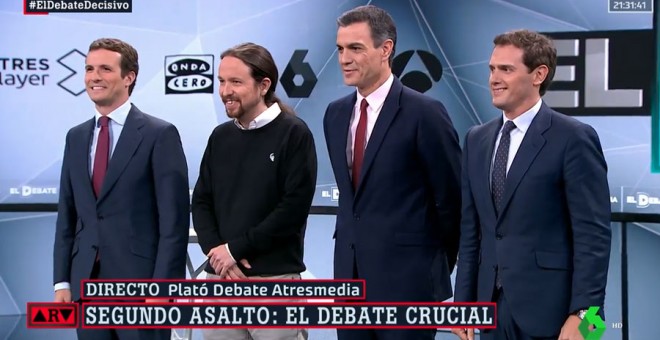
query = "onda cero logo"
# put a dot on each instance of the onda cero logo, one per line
(189, 73)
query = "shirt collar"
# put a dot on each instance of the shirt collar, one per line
(377, 98)
(262, 119)
(525, 120)
(118, 115)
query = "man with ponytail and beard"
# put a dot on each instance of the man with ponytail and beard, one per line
(256, 183)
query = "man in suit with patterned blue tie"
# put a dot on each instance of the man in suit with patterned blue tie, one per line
(124, 204)
(535, 229)
(396, 159)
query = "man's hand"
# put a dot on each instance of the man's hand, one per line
(570, 329)
(464, 333)
(246, 264)
(220, 260)
(235, 273)
(63, 295)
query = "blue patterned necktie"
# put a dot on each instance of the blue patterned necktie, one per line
(499, 165)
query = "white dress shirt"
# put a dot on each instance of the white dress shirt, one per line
(115, 125)
(376, 100)
(262, 119)
(522, 125)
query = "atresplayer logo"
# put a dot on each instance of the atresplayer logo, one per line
(591, 318)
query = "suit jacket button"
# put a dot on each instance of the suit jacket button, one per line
(498, 236)
(100, 218)
(352, 246)
(357, 217)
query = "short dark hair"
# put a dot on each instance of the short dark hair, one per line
(261, 65)
(380, 22)
(129, 56)
(537, 48)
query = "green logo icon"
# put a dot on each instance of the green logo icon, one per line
(591, 318)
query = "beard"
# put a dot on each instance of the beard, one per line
(239, 109)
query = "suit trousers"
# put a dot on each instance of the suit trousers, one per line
(383, 334)
(507, 329)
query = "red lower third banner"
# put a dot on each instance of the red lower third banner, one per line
(391, 315)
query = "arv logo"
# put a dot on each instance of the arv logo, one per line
(189, 74)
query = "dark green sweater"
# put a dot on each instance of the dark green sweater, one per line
(254, 192)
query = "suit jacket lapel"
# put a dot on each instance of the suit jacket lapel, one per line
(529, 149)
(385, 118)
(341, 127)
(127, 144)
(80, 161)
(487, 144)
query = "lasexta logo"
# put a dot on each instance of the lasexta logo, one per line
(592, 319)
(298, 68)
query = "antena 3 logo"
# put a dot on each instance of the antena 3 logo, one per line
(417, 79)
(189, 73)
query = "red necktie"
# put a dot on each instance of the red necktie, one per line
(101, 156)
(360, 143)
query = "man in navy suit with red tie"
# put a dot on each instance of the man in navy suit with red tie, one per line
(396, 159)
(535, 230)
(124, 204)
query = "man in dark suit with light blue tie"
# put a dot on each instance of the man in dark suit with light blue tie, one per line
(396, 159)
(535, 230)
(124, 203)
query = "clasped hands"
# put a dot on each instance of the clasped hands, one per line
(224, 265)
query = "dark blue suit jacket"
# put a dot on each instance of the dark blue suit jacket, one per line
(401, 225)
(140, 221)
(552, 238)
